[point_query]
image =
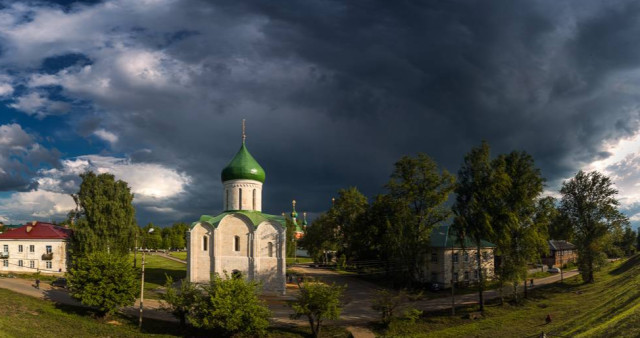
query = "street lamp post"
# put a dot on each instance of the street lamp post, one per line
(142, 284)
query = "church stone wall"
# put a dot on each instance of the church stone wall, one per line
(199, 261)
(252, 259)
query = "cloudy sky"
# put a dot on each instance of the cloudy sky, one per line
(334, 92)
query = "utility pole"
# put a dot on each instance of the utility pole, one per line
(142, 285)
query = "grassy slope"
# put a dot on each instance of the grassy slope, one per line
(608, 308)
(25, 317)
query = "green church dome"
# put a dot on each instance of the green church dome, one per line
(243, 166)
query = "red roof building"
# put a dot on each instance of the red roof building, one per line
(34, 247)
(37, 230)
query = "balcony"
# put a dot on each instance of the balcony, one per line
(47, 256)
(4, 255)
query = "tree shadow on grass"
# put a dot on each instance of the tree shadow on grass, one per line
(632, 262)
(159, 275)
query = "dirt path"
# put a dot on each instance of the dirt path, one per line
(167, 256)
(360, 294)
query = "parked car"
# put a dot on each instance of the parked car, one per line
(434, 287)
(60, 282)
(554, 270)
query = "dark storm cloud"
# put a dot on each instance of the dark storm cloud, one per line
(335, 91)
(385, 79)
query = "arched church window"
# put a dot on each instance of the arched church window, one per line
(254, 199)
(240, 200)
(270, 247)
(204, 243)
(236, 243)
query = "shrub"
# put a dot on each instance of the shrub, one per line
(104, 281)
(230, 305)
(179, 301)
(318, 301)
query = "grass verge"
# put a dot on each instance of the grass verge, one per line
(608, 308)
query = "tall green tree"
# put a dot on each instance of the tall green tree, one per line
(520, 238)
(589, 203)
(420, 189)
(627, 241)
(104, 219)
(153, 239)
(346, 213)
(476, 193)
(321, 237)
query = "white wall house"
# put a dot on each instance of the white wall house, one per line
(242, 239)
(34, 247)
(446, 252)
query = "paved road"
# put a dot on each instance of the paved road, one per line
(360, 295)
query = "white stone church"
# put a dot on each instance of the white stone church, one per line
(241, 240)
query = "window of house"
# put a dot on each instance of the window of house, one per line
(485, 255)
(204, 243)
(48, 264)
(20, 248)
(5, 263)
(455, 276)
(32, 248)
(32, 264)
(240, 199)
(475, 274)
(254, 199)
(5, 248)
(465, 257)
(466, 275)
(455, 257)
(48, 248)
(20, 263)
(434, 277)
(236, 243)
(434, 257)
(270, 249)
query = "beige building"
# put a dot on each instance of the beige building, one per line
(242, 240)
(446, 251)
(34, 247)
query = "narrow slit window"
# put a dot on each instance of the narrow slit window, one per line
(240, 199)
(254, 199)
(226, 199)
(236, 243)
(270, 249)
(204, 243)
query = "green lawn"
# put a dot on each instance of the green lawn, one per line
(179, 254)
(24, 316)
(608, 308)
(291, 260)
(156, 268)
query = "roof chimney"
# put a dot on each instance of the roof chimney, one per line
(29, 227)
